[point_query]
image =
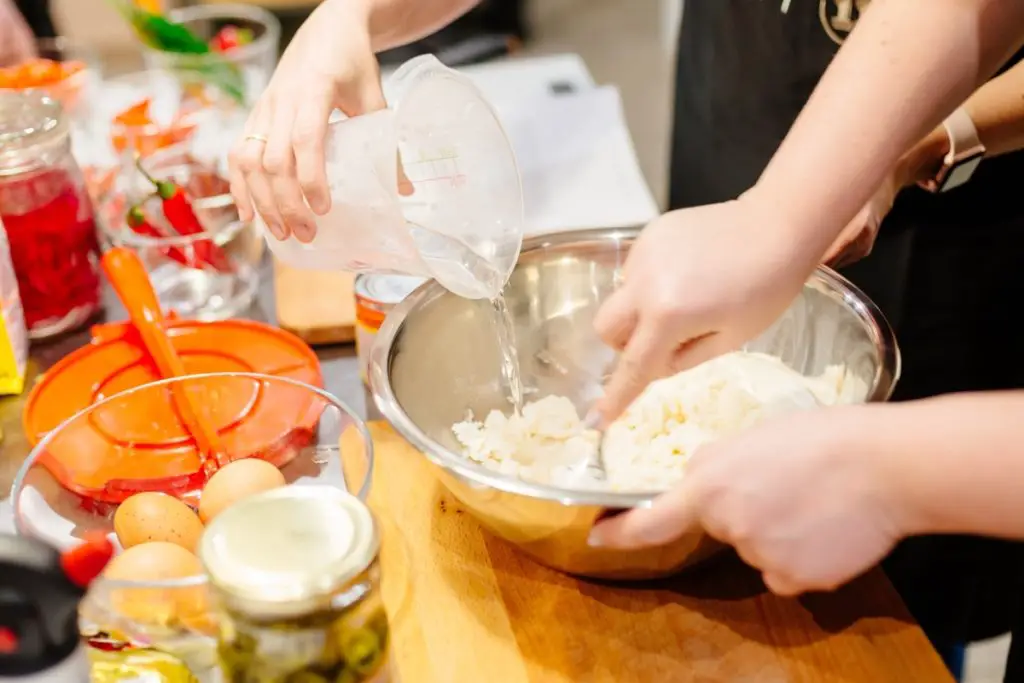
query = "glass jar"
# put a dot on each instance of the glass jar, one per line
(298, 580)
(48, 215)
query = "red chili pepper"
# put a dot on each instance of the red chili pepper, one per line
(136, 220)
(182, 218)
(231, 37)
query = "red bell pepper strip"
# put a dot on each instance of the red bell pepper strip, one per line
(136, 220)
(182, 218)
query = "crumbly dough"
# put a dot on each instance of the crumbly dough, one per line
(648, 447)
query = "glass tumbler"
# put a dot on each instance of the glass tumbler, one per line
(211, 274)
(254, 62)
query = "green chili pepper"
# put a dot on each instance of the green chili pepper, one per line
(361, 650)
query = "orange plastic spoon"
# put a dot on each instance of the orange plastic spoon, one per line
(131, 282)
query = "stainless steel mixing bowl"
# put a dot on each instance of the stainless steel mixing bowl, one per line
(437, 357)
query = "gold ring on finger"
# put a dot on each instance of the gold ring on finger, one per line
(257, 138)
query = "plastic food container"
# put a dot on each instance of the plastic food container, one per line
(456, 212)
(48, 215)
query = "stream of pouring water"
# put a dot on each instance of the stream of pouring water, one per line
(463, 271)
(505, 327)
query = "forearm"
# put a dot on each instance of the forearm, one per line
(399, 22)
(906, 66)
(955, 464)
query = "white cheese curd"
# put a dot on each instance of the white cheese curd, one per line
(648, 447)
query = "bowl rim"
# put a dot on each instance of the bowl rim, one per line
(30, 461)
(476, 475)
(271, 38)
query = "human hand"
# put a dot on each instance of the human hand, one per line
(800, 497)
(918, 164)
(16, 40)
(279, 164)
(697, 283)
(858, 238)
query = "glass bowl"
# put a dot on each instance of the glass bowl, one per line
(145, 112)
(210, 275)
(138, 623)
(255, 61)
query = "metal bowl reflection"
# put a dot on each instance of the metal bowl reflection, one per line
(437, 357)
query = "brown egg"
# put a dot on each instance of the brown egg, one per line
(154, 562)
(236, 481)
(147, 517)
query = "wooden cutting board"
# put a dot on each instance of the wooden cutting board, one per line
(467, 608)
(319, 307)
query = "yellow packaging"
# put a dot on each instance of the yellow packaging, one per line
(136, 666)
(13, 336)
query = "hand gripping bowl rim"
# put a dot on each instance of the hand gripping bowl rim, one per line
(197, 579)
(476, 475)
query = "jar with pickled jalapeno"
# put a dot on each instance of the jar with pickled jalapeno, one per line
(296, 574)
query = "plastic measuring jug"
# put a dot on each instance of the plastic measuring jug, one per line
(458, 219)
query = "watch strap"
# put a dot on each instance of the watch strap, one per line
(964, 155)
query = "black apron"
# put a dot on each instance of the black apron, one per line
(946, 269)
(37, 16)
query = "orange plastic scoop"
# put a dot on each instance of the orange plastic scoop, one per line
(145, 441)
(129, 279)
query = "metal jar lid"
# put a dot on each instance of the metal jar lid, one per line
(386, 288)
(286, 552)
(31, 124)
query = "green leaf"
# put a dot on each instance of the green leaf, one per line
(168, 36)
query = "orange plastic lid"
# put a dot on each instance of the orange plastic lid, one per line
(142, 444)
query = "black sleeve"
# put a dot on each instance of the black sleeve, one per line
(37, 15)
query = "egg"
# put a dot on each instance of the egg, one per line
(147, 517)
(236, 481)
(151, 562)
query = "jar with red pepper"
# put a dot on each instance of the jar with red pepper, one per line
(48, 215)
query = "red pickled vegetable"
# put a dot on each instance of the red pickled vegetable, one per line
(106, 643)
(179, 213)
(136, 220)
(54, 248)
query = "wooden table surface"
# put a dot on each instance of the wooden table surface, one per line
(467, 608)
